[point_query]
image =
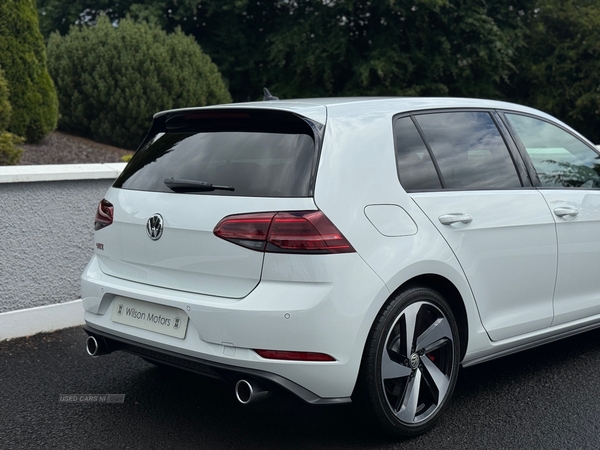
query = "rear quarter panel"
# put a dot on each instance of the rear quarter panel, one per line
(357, 169)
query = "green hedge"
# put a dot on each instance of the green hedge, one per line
(9, 152)
(112, 79)
(5, 108)
(23, 58)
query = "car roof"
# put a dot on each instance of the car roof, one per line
(404, 103)
(315, 108)
(383, 108)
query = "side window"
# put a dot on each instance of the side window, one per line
(415, 167)
(559, 158)
(469, 150)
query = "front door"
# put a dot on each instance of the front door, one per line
(568, 172)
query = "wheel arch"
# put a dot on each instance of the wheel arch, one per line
(451, 294)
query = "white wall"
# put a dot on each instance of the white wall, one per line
(46, 229)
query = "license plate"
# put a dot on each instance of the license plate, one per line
(150, 316)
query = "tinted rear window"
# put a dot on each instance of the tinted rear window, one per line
(469, 150)
(414, 164)
(258, 153)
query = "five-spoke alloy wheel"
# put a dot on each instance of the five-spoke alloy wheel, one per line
(411, 361)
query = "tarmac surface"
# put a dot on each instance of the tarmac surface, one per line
(546, 398)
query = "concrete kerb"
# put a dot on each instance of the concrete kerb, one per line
(41, 319)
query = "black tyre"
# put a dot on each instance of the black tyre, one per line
(411, 361)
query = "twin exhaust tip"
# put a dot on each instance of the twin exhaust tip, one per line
(248, 391)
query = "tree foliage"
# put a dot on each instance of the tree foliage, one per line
(538, 52)
(562, 70)
(111, 80)
(329, 47)
(417, 47)
(23, 58)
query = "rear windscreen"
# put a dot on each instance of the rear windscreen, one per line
(257, 153)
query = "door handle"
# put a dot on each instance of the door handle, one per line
(449, 219)
(561, 212)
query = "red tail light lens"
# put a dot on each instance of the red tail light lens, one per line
(287, 232)
(294, 356)
(104, 214)
(311, 231)
(247, 230)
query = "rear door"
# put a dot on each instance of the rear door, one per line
(462, 174)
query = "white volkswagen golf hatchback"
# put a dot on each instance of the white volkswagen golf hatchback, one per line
(346, 249)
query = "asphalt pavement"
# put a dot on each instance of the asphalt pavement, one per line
(53, 395)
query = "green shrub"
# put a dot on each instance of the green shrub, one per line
(10, 154)
(111, 80)
(5, 108)
(23, 58)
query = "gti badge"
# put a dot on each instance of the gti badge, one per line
(154, 227)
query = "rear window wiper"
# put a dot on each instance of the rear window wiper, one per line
(180, 185)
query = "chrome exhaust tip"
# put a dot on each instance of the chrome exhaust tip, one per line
(91, 345)
(248, 391)
(96, 346)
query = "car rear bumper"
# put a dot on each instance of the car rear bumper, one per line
(211, 369)
(305, 304)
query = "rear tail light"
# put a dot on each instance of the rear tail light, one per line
(294, 356)
(284, 232)
(104, 214)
